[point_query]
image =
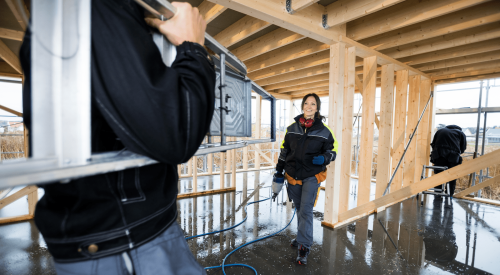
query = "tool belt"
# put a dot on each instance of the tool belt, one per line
(321, 176)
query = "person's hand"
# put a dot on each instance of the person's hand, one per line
(186, 25)
(318, 160)
(278, 175)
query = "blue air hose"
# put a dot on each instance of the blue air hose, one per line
(244, 265)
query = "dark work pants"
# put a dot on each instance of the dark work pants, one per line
(445, 162)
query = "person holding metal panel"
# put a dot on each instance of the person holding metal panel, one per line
(125, 222)
(308, 147)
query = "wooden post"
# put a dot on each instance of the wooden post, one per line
(222, 168)
(245, 158)
(385, 129)
(195, 174)
(432, 116)
(258, 104)
(229, 157)
(190, 167)
(411, 122)
(348, 107)
(367, 125)
(233, 172)
(210, 163)
(179, 171)
(335, 120)
(399, 139)
(423, 128)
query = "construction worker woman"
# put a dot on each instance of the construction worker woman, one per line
(308, 147)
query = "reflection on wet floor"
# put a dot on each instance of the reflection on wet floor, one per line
(438, 237)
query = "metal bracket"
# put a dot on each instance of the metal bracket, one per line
(324, 21)
(288, 7)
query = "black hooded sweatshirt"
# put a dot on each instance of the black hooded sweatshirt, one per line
(448, 143)
(139, 104)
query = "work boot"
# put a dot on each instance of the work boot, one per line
(302, 257)
(294, 243)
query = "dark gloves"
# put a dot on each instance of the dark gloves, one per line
(319, 160)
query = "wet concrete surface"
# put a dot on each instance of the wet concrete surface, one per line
(438, 237)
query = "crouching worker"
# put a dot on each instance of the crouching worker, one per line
(447, 146)
(308, 147)
(125, 222)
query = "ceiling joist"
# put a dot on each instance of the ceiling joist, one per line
(343, 11)
(10, 57)
(302, 81)
(317, 70)
(210, 11)
(11, 34)
(240, 30)
(461, 61)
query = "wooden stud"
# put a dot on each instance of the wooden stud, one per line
(335, 120)
(190, 167)
(462, 20)
(32, 201)
(266, 43)
(240, 30)
(348, 107)
(16, 219)
(431, 123)
(179, 171)
(404, 193)
(258, 113)
(343, 11)
(385, 129)
(222, 168)
(422, 142)
(210, 163)
(11, 34)
(367, 128)
(302, 63)
(210, 11)
(399, 140)
(411, 121)
(481, 200)
(195, 174)
(404, 14)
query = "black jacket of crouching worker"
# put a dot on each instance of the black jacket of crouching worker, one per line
(139, 104)
(448, 144)
(301, 145)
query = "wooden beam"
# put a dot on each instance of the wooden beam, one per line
(423, 144)
(385, 129)
(399, 128)
(335, 120)
(307, 22)
(458, 21)
(477, 187)
(8, 71)
(466, 68)
(359, 84)
(16, 10)
(304, 47)
(432, 122)
(481, 200)
(477, 34)
(210, 11)
(411, 123)
(308, 91)
(258, 150)
(343, 11)
(445, 176)
(10, 57)
(280, 96)
(306, 80)
(11, 111)
(404, 14)
(468, 78)
(291, 66)
(32, 201)
(298, 5)
(478, 74)
(348, 106)
(266, 43)
(317, 70)
(19, 218)
(206, 192)
(367, 125)
(461, 61)
(240, 30)
(465, 50)
(303, 87)
(19, 194)
(11, 34)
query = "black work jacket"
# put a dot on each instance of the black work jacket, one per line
(448, 143)
(139, 104)
(301, 145)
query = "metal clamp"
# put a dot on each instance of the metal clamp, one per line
(288, 7)
(324, 21)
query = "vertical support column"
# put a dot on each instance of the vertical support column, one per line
(367, 125)
(233, 167)
(290, 112)
(335, 120)
(411, 122)
(229, 156)
(431, 124)
(423, 128)
(179, 172)
(222, 168)
(245, 158)
(345, 162)
(210, 163)
(399, 140)
(195, 174)
(258, 113)
(190, 167)
(385, 129)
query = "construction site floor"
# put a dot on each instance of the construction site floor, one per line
(438, 237)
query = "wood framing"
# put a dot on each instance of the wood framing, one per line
(461, 61)
(207, 192)
(481, 200)
(335, 121)
(343, 11)
(303, 81)
(32, 193)
(266, 43)
(421, 156)
(465, 70)
(11, 58)
(298, 5)
(210, 11)
(240, 30)
(317, 70)
(404, 193)
(258, 119)
(404, 14)
(385, 129)
(14, 112)
(303, 87)
(15, 9)
(367, 128)
(411, 123)
(477, 187)
(11, 34)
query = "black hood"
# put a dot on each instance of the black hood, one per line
(456, 127)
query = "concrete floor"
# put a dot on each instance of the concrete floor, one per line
(460, 237)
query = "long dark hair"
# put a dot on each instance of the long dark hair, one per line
(318, 103)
